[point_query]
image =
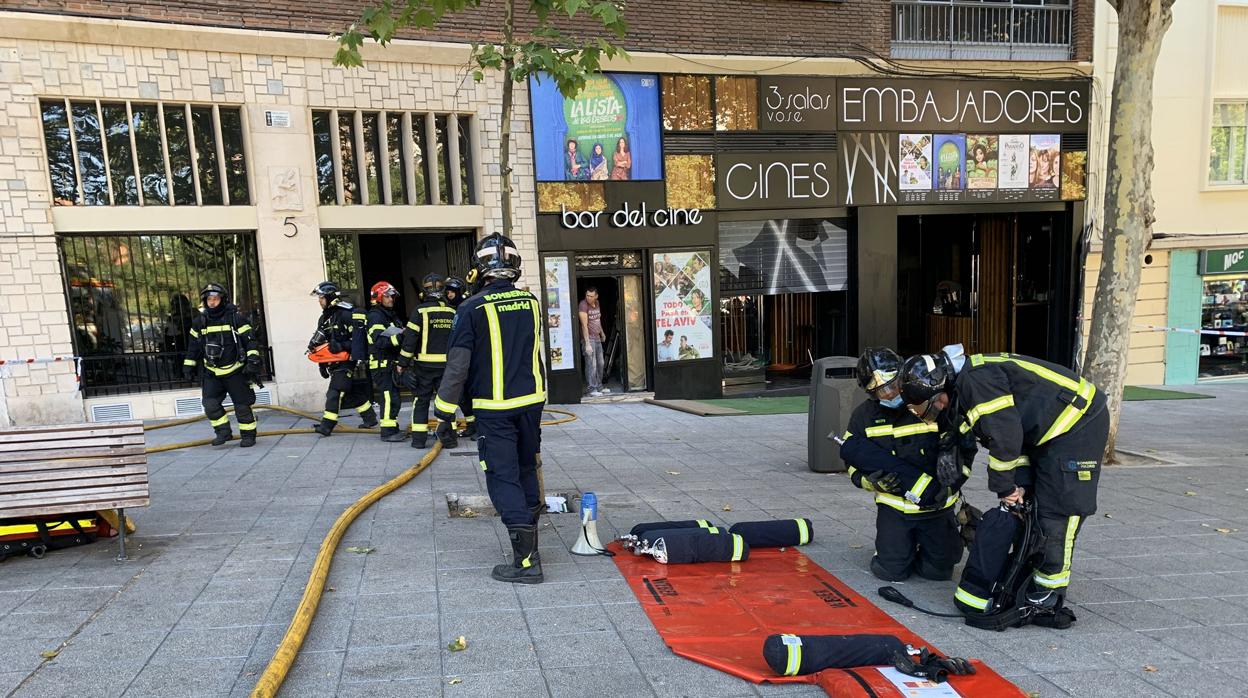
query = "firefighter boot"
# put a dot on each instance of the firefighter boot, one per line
(370, 419)
(392, 435)
(419, 439)
(223, 435)
(325, 428)
(537, 513)
(248, 439)
(470, 430)
(523, 568)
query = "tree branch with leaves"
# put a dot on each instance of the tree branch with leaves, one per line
(542, 49)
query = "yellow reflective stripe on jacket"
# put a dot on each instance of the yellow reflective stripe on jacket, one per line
(986, 408)
(442, 405)
(195, 333)
(243, 328)
(1071, 415)
(359, 316)
(885, 430)
(1006, 465)
(846, 435)
(24, 529)
(224, 371)
(218, 328)
(907, 507)
(792, 663)
(413, 327)
(432, 358)
(920, 486)
(538, 386)
(523, 401)
(970, 599)
(496, 355)
(912, 429)
(703, 523)
(863, 482)
(803, 532)
(189, 362)
(738, 545)
(1047, 374)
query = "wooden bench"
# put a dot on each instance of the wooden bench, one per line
(72, 468)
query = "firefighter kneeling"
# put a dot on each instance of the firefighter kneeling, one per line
(894, 454)
(494, 361)
(1045, 429)
(226, 344)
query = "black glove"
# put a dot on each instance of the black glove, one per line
(324, 368)
(190, 372)
(948, 467)
(884, 481)
(931, 666)
(446, 434)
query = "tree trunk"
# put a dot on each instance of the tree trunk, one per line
(504, 146)
(1128, 224)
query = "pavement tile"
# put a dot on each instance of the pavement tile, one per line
(615, 680)
(26, 626)
(186, 678)
(406, 630)
(391, 689)
(529, 683)
(54, 681)
(1194, 681)
(583, 649)
(489, 655)
(392, 663)
(207, 643)
(681, 678)
(1106, 684)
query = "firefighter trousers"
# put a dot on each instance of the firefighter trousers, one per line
(423, 381)
(388, 398)
(507, 447)
(928, 545)
(235, 384)
(346, 392)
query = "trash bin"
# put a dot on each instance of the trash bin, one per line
(834, 393)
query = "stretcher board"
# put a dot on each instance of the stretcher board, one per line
(719, 614)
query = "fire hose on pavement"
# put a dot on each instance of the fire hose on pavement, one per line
(270, 681)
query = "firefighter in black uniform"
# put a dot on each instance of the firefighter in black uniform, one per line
(893, 453)
(422, 353)
(456, 292)
(223, 339)
(384, 327)
(341, 326)
(1045, 429)
(495, 362)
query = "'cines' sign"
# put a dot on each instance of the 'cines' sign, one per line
(776, 180)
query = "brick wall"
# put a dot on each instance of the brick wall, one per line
(750, 27)
(1083, 25)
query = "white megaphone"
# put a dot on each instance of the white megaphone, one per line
(587, 543)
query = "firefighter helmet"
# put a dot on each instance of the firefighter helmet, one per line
(925, 376)
(497, 256)
(327, 289)
(456, 284)
(431, 286)
(382, 289)
(214, 288)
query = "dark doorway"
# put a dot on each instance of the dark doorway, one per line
(404, 259)
(609, 298)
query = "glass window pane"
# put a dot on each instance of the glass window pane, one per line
(686, 102)
(206, 156)
(465, 161)
(60, 154)
(736, 104)
(151, 154)
(89, 138)
(444, 159)
(419, 145)
(372, 158)
(120, 160)
(350, 166)
(394, 152)
(323, 141)
(235, 156)
(340, 266)
(179, 143)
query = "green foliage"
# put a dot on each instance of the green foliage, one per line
(545, 49)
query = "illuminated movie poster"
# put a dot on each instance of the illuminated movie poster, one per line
(1012, 169)
(682, 306)
(950, 161)
(915, 165)
(981, 162)
(1044, 163)
(610, 131)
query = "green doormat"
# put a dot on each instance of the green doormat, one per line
(1134, 392)
(799, 404)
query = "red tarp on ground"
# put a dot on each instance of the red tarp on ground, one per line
(719, 614)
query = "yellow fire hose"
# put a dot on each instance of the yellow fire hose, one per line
(288, 649)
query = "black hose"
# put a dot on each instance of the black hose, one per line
(892, 594)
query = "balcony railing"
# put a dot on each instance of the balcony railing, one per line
(1020, 30)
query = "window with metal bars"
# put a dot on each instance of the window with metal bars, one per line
(384, 157)
(132, 299)
(120, 153)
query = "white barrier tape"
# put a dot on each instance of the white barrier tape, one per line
(76, 360)
(1220, 333)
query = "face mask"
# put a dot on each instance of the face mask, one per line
(892, 404)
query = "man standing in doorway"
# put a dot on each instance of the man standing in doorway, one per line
(591, 331)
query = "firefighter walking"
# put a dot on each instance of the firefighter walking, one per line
(1045, 429)
(384, 328)
(340, 347)
(422, 353)
(495, 362)
(456, 292)
(225, 343)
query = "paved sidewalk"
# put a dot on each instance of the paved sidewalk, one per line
(1160, 585)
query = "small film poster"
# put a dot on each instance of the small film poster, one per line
(1012, 167)
(914, 167)
(1045, 166)
(981, 162)
(951, 161)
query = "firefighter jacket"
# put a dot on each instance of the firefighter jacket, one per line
(427, 334)
(342, 325)
(895, 441)
(382, 350)
(495, 356)
(222, 339)
(1014, 405)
